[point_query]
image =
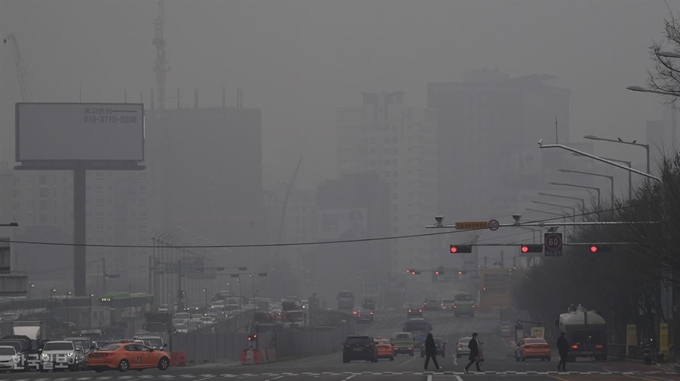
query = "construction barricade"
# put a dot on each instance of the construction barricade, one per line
(178, 359)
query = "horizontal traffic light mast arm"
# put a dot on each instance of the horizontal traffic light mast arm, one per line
(550, 223)
(563, 244)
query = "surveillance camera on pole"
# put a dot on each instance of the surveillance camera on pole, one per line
(517, 217)
(439, 221)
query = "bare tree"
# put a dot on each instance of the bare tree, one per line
(665, 77)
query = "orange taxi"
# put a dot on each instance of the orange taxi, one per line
(532, 348)
(384, 348)
(127, 355)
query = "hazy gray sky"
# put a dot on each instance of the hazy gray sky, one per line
(299, 60)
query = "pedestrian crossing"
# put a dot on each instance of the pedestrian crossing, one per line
(205, 376)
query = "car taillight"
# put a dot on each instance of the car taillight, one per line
(371, 312)
(355, 312)
(455, 306)
(420, 310)
(473, 306)
(460, 345)
(410, 349)
(368, 345)
(599, 346)
(409, 310)
(574, 346)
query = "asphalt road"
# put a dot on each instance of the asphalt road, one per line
(499, 362)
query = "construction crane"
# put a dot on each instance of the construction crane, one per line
(160, 65)
(22, 74)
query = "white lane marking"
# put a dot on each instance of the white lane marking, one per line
(350, 377)
(429, 377)
(458, 378)
(407, 361)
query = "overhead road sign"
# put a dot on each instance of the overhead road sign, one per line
(473, 225)
(493, 225)
(553, 244)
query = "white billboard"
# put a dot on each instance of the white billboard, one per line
(79, 131)
(342, 224)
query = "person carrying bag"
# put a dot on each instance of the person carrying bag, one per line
(475, 355)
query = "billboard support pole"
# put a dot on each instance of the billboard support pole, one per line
(79, 230)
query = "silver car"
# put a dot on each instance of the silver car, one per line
(462, 347)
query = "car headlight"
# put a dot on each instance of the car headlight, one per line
(70, 354)
(16, 359)
(45, 356)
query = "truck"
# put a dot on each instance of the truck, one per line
(345, 300)
(159, 324)
(36, 330)
(586, 333)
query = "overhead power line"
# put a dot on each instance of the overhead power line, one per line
(285, 244)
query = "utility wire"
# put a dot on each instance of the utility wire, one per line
(285, 244)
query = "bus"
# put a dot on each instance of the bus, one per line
(463, 304)
(418, 327)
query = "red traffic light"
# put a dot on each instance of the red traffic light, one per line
(460, 273)
(408, 270)
(525, 249)
(453, 249)
(436, 272)
(600, 248)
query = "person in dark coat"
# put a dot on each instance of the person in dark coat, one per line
(474, 352)
(563, 350)
(430, 351)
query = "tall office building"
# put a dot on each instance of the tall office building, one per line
(399, 143)
(205, 169)
(487, 130)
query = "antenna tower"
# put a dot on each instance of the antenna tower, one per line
(160, 65)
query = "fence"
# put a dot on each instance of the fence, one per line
(201, 346)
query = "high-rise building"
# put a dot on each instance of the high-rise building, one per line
(399, 143)
(353, 207)
(205, 166)
(487, 130)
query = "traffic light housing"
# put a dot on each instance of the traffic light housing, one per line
(439, 272)
(461, 272)
(600, 248)
(531, 248)
(415, 272)
(460, 249)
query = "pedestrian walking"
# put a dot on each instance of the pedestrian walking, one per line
(430, 351)
(475, 354)
(563, 350)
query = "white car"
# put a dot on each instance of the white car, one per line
(10, 359)
(57, 355)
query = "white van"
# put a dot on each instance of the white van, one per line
(402, 342)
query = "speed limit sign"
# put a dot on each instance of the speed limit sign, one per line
(553, 244)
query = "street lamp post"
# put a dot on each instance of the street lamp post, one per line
(564, 216)
(205, 294)
(253, 279)
(630, 174)
(67, 317)
(52, 291)
(618, 140)
(599, 201)
(89, 319)
(611, 179)
(29, 295)
(583, 201)
(229, 285)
